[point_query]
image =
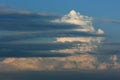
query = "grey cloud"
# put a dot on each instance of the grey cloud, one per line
(45, 34)
(25, 16)
(16, 26)
(109, 48)
(103, 20)
(20, 53)
(112, 43)
(33, 26)
(33, 50)
(28, 49)
(3, 6)
(8, 12)
(11, 19)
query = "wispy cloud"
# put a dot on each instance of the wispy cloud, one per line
(105, 20)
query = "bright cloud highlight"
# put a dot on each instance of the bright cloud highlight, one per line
(76, 18)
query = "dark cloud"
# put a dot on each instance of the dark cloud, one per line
(36, 46)
(33, 50)
(26, 16)
(16, 26)
(51, 34)
(20, 53)
(40, 49)
(36, 49)
(33, 26)
(12, 19)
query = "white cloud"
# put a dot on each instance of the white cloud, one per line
(84, 22)
(85, 25)
(78, 62)
(85, 61)
(80, 39)
(87, 44)
(100, 31)
(76, 18)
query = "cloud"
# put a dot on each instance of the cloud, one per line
(22, 35)
(41, 64)
(82, 62)
(45, 42)
(56, 47)
(84, 22)
(105, 20)
(3, 6)
(74, 18)
(20, 29)
(36, 49)
(100, 31)
(9, 11)
(84, 45)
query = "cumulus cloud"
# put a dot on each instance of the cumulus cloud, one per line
(42, 64)
(85, 25)
(76, 18)
(86, 44)
(50, 43)
(79, 63)
(100, 31)
(21, 29)
(67, 37)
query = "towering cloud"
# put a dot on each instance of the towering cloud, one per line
(84, 22)
(63, 40)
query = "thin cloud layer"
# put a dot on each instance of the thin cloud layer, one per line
(114, 21)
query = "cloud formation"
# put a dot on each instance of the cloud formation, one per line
(42, 64)
(80, 63)
(45, 42)
(84, 45)
(21, 29)
(39, 42)
(84, 22)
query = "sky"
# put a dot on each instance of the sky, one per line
(97, 8)
(80, 36)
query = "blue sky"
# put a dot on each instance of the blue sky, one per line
(95, 8)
